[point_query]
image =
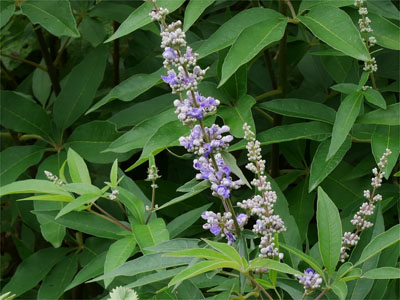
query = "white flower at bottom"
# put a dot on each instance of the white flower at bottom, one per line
(123, 293)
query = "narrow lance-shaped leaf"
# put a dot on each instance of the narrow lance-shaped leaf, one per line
(77, 167)
(388, 116)
(193, 11)
(345, 117)
(329, 231)
(76, 203)
(383, 273)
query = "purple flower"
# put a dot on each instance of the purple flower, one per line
(215, 230)
(170, 53)
(170, 78)
(223, 191)
(231, 238)
(241, 219)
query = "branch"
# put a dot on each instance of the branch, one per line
(32, 63)
(116, 57)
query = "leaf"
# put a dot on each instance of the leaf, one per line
(93, 268)
(183, 222)
(49, 197)
(335, 27)
(383, 273)
(340, 289)
(329, 231)
(130, 88)
(200, 268)
(117, 254)
(235, 116)
(307, 4)
(228, 32)
(151, 234)
(345, 118)
(92, 30)
(251, 41)
(56, 16)
(386, 32)
(155, 277)
(80, 88)
(272, 265)
(306, 258)
(82, 188)
(199, 253)
(320, 168)
(145, 263)
(85, 222)
(132, 203)
(76, 203)
(374, 97)
(386, 137)
(140, 17)
(114, 174)
(230, 161)
(388, 116)
(338, 67)
(345, 88)
(7, 9)
(23, 115)
(15, 160)
(193, 11)
(379, 243)
(33, 269)
(227, 250)
(175, 245)
(77, 167)
(299, 108)
(91, 139)
(32, 186)
(316, 131)
(58, 279)
(41, 85)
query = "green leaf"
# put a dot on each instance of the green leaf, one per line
(80, 88)
(193, 11)
(56, 16)
(15, 160)
(77, 167)
(352, 275)
(316, 131)
(307, 4)
(140, 17)
(374, 97)
(114, 174)
(251, 41)
(77, 203)
(58, 279)
(32, 186)
(183, 222)
(155, 277)
(386, 32)
(306, 258)
(299, 108)
(117, 254)
(329, 231)
(388, 116)
(145, 263)
(272, 265)
(23, 115)
(321, 168)
(228, 32)
(33, 269)
(175, 245)
(41, 85)
(345, 88)
(132, 203)
(92, 30)
(340, 289)
(379, 243)
(93, 268)
(130, 88)
(200, 268)
(199, 253)
(7, 9)
(49, 197)
(386, 137)
(91, 139)
(335, 27)
(338, 67)
(227, 250)
(235, 116)
(85, 222)
(151, 234)
(345, 118)
(230, 161)
(82, 188)
(383, 273)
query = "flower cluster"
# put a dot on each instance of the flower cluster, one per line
(262, 205)
(113, 194)
(359, 220)
(310, 281)
(152, 175)
(123, 293)
(223, 225)
(365, 27)
(53, 178)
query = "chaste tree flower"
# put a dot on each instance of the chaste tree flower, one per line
(310, 280)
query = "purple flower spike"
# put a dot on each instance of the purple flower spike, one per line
(231, 238)
(242, 219)
(170, 53)
(170, 79)
(223, 191)
(215, 230)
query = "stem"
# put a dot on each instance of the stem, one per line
(268, 94)
(49, 63)
(116, 56)
(9, 76)
(260, 287)
(266, 115)
(372, 76)
(268, 63)
(153, 198)
(288, 3)
(304, 296)
(108, 217)
(323, 293)
(29, 62)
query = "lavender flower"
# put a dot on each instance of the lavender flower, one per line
(366, 209)
(310, 280)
